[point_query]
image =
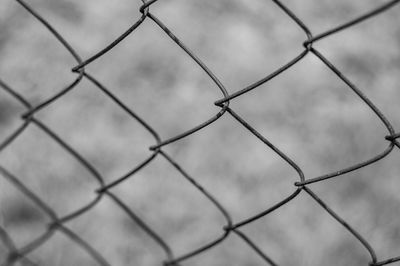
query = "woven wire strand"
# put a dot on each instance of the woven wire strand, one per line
(58, 224)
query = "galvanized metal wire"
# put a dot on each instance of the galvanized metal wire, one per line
(58, 224)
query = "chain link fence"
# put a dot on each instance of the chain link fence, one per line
(16, 253)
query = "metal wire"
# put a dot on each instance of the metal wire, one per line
(58, 224)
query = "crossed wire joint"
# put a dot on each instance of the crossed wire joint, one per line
(59, 223)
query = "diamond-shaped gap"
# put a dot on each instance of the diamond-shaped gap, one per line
(302, 233)
(91, 25)
(167, 89)
(62, 14)
(232, 251)
(103, 133)
(372, 192)
(321, 16)
(50, 171)
(246, 175)
(33, 60)
(10, 114)
(172, 206)
(88, 26)
(315, 118)
(368, 55)
(109, 231)
(20, 216)
(9, 17)
(242, 42)
(61, 250)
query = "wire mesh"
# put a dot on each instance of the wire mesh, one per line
(21, 254)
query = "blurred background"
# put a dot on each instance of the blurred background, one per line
(307, 112)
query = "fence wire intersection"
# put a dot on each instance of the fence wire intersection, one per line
(58, 223)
